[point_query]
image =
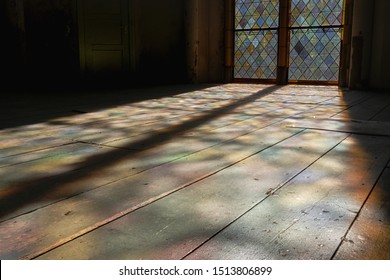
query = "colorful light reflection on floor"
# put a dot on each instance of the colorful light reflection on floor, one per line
(194, 162)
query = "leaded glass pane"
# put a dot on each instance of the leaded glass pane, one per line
(253, 14)
(315, 54)
(256, 40)
(316, 12)
(256, 54)
(315, 39)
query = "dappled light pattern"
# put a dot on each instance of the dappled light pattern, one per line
(233, 171)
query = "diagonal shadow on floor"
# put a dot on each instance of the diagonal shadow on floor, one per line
(28, 191)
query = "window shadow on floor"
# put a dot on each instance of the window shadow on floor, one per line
(16, 196)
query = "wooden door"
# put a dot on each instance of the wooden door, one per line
(104, 38)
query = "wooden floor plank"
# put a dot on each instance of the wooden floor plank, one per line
(365, 110)
(347, 126)
(30, 171)
(23, 143)
(116, 123)
(383, 115)
(321, 112)
(300, 99)
(131, 162)
(106, 126)
(122, 164)
(130, 193)
(91, 127)
(31, 107)
(369, 236)
(308, 217)
(56, 174)
(187, 218)
(177, 167)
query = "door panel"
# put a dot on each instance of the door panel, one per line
(103, 6)
(103, 31)
(104, 38)
(106, 61)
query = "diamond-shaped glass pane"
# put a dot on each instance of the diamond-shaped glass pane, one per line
(315, 39)
(315, 54)
(256, 49)
(256, 54)
(252, 14)
(316, 12)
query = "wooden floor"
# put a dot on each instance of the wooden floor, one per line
(232, 171)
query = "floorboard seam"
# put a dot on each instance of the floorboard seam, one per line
(137, 173)
(39, 150)
(141, 205)
(32, 160)
(360, 101)
(342, 131)
(344, 237)
(380, 111)
(269, 194)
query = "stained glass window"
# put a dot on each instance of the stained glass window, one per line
(315, 54)
(256, 54)
(316, 12)
(256, 39)
(254, 14)
(315, 39)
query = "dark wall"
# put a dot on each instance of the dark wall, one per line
(42, 41)
(380, 58)
(51, 39)
(12, 47)
(159, 29)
